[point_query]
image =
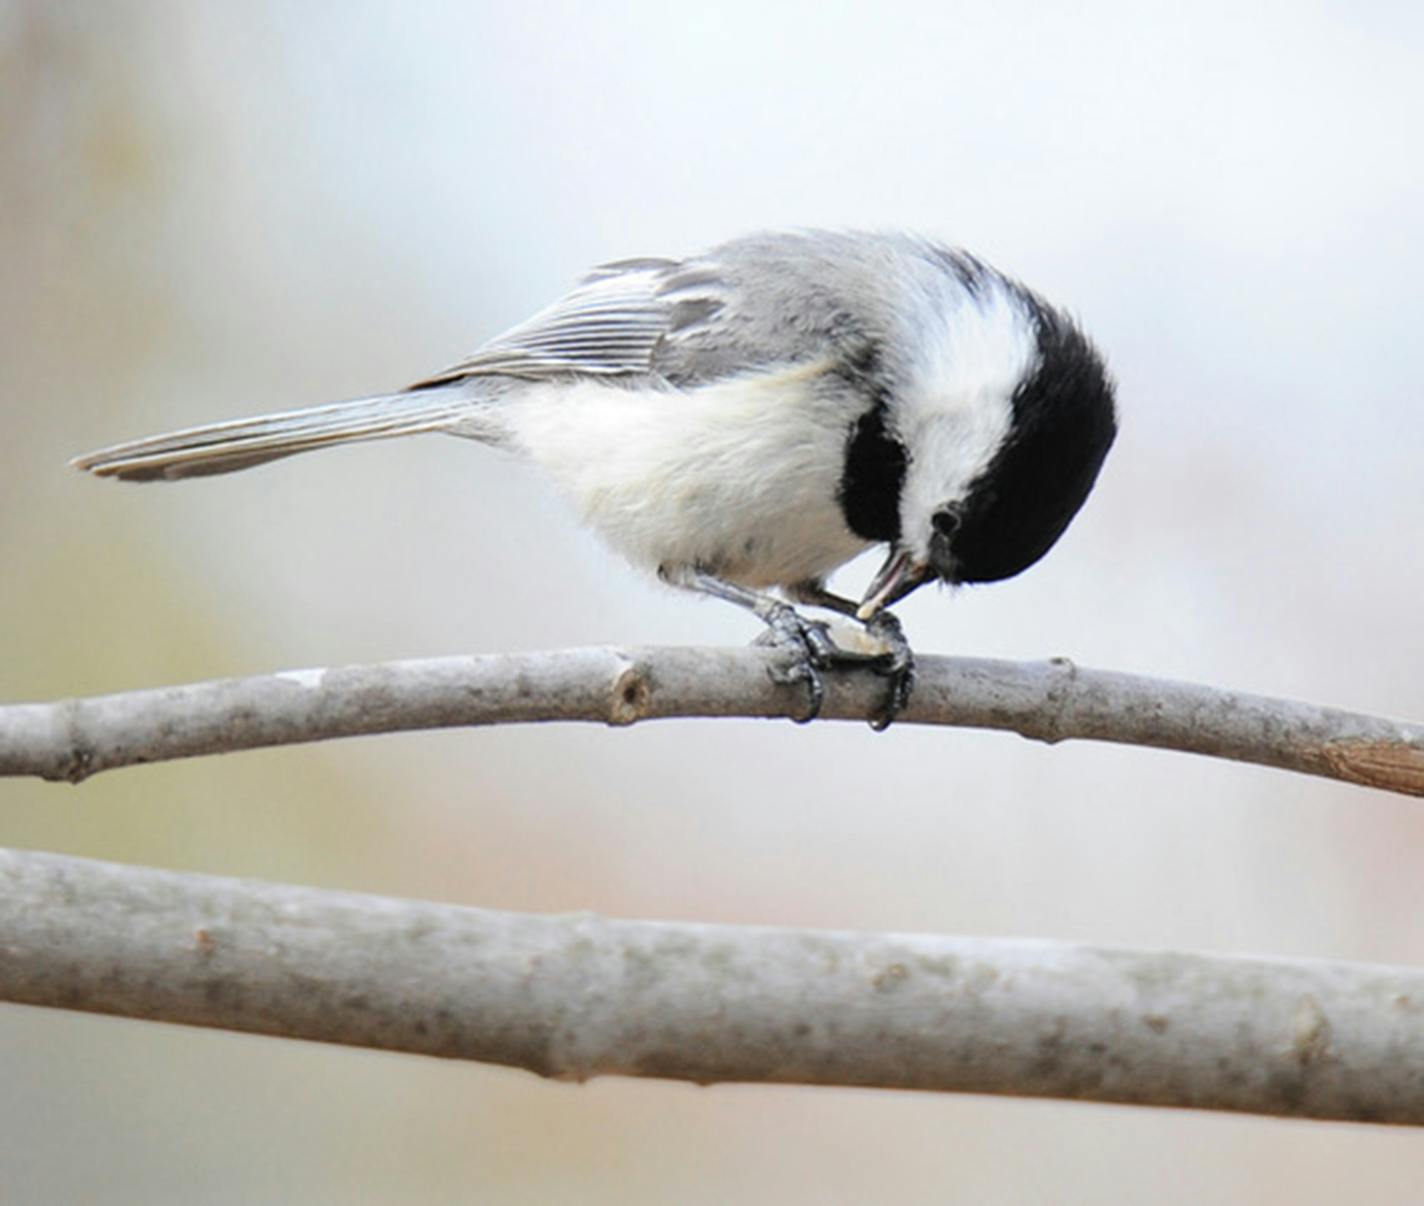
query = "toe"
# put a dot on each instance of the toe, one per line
(897, 665)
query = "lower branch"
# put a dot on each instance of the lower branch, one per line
(1049, 701)
(579, 996)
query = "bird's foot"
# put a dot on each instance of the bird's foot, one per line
(807, 646)
(897, 664)
(808, 649)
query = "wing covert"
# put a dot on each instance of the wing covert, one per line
(611, 324)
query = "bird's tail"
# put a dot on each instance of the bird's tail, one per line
(240, 443)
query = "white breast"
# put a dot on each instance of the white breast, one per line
(739, 477)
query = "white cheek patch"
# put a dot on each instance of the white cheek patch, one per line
(957, 411)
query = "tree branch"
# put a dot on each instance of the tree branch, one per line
(1048, 701)
(580, 996)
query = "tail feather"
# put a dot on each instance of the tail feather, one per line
(240, 443)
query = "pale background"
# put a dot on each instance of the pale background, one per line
(208, 209)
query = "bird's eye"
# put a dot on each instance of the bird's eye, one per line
(946, 522)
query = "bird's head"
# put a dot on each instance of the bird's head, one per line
(1004, 423)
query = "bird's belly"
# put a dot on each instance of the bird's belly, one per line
(739, 478)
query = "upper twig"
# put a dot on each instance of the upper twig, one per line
(1048, 701)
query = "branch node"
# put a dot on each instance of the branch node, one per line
(1053, 727)
(77, 762)
(1312, 1032)
(630, 696)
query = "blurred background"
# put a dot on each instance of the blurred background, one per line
(210, 209)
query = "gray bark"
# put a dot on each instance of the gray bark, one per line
(1048, 701)
(580, 996)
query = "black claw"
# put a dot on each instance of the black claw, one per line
(809, 649)
(802, 672)
(897, 664)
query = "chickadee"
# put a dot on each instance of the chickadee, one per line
(756, 416)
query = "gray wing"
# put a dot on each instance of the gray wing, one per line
(761, 300)
(620, 321)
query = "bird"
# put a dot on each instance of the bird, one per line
(744, 421)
